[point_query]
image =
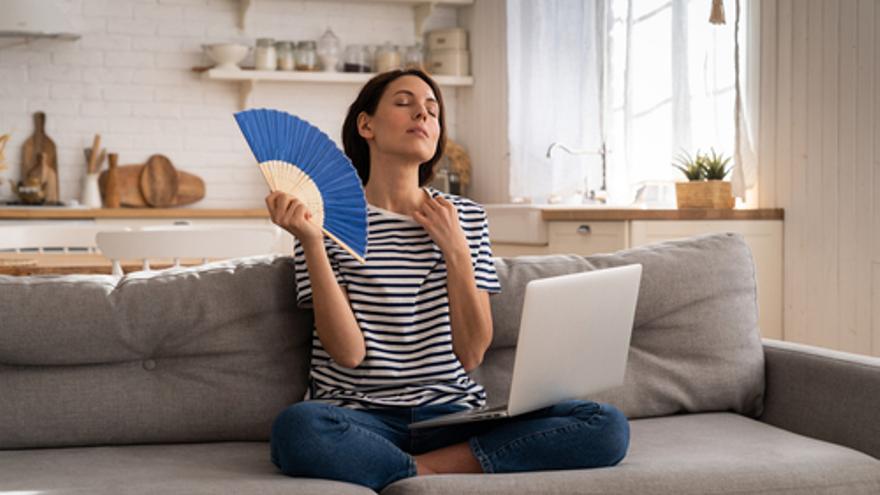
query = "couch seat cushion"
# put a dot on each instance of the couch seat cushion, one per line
(711, 453)
(209, 468)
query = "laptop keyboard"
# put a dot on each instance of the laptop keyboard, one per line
(488, 408)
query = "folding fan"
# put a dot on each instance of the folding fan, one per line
(297, 158)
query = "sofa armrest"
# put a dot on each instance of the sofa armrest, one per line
(824, 394)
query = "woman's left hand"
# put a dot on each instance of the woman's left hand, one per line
(440, 218)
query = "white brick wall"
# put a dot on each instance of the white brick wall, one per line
(129, 79)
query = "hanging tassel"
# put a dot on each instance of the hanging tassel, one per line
(717, 16)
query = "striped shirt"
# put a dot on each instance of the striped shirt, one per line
(400, 301)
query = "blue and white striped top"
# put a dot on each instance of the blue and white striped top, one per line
(400, 301)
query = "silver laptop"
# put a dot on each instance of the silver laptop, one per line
(573, 342)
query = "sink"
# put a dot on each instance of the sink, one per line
(523, 223)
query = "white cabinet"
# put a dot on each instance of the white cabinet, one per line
(583, 237)
(587, 237)
(764, 238)
(572, 237)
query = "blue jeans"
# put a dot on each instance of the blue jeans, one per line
(374, 447)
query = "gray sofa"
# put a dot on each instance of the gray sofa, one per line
(167, 382)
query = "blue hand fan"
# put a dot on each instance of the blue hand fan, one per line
(299, 159)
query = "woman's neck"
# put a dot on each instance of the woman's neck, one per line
(394, 187)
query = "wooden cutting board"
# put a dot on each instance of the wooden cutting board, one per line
(190, 188)
(158, 181)
(38, 143)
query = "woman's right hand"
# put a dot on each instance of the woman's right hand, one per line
(292, 215)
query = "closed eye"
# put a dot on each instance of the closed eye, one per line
(431, 113)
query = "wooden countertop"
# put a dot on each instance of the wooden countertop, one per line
(38, 213)
(549, 213)
(563, 213)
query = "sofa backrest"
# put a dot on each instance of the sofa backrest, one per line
(695, 344)
(209, 353)
(215, 352)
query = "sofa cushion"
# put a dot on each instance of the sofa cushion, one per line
(695, 345)
(209, 468)
(711, 453)
(207, 353)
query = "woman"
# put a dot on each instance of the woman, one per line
(394, 338)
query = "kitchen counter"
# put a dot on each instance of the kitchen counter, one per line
(44, 213)
(567, 212)
(548, 212)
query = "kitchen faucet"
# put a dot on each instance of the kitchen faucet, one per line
(603, 151)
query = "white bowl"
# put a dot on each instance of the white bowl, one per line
(227, 55)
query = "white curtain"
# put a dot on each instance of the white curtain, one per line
(554, 68)
(668, 86)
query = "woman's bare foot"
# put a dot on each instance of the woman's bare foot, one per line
(421, 468)
(456, 458)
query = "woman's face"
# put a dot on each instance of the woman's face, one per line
(407, 120)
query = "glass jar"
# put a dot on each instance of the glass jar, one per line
(356, 59)
(329, 50)
(265, 57)
(414, 58)
(306, 56)
(387, 58)
(284, 52)
(371, 56)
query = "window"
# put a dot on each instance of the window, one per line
(640, 80)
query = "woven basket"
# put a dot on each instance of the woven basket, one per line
(704, 194)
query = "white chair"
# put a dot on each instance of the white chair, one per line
(186, 241)
(57, 237)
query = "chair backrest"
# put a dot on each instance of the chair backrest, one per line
(56, 237)
(186, 241)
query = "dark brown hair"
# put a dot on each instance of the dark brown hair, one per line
(356, 146)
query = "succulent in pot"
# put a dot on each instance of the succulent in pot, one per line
(705, 187)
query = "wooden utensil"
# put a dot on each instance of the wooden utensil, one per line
(190, 189)
(3, 139)
(158, 181)
(51, 177)
(46, 177)
(127, 183)
(93, 157)
(100, 161)
(39, 142)
(111, 192)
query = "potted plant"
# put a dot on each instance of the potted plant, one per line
(705, 187)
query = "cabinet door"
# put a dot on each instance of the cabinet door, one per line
(764, 237)
(587, 237)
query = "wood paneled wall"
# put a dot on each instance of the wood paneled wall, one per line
(819, 122)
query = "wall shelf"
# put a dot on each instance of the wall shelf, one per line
(248, 79)
(421, 9)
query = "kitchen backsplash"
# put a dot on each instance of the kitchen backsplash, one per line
(129, 78)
